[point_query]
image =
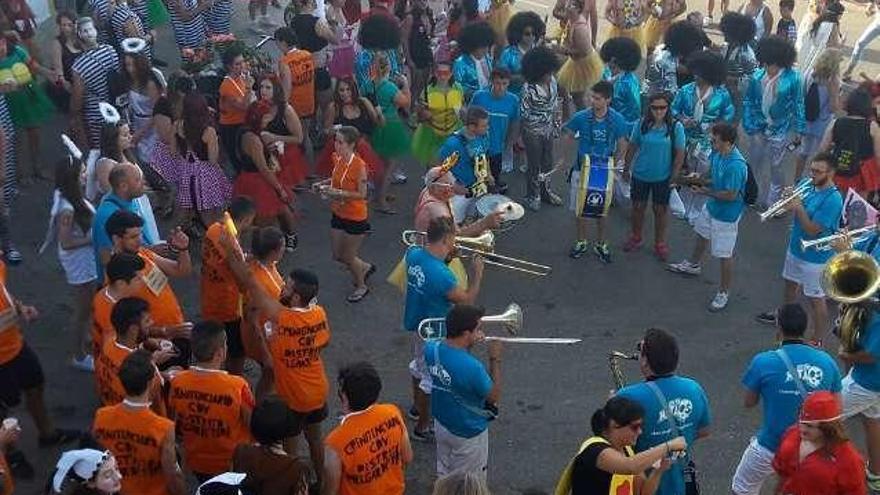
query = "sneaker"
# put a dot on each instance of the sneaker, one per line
(579, 249)
(85, 363)
(398, 178)
(602, 251)
(768, 318)
(708, 21)
(426, 436)
(413, 413)
(533, 204)
(550, 197)
(684, 267)
(632, 244)
(661, 251)
(60, 437)
(290, 242)
(20, 467)
(719, 302)
(13, 256)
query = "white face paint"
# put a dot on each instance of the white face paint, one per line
(87, 32)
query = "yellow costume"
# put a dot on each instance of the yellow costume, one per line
(498, 16)
(635, 33)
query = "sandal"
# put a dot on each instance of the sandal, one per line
(370, 272)
(358, 294)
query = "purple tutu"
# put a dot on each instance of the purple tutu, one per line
(201, 185)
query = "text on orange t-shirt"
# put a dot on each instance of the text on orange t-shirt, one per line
(219, 293)
(295, 343)
(302, 81)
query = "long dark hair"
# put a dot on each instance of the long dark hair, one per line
(621, 410)
(110, 143)
(196, 118)
(278, 98)
(648, 119)
(67, 174)
(355, 94)
(143, 72)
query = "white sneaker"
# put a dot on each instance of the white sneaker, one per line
(708, 21)
(684, 267)
(719, 302)
(86, 363)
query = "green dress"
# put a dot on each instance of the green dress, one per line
(392, 139)
(29, 105)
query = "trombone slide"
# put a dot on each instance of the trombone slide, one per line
(535, 340)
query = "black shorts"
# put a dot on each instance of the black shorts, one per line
(350, 227)
(322, 79)
(234, 346)
(23, 372)
(314, 417)
(658, 191)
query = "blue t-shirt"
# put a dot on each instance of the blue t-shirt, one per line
(768, 377)
(690, 406)
(653, 163)
(110, 204)
(468, 150)
(511, 59)
(824, 208)
(503, 111)
(597, 137)
(428, 280)
(729, 173)
(459, 388)
(868, 375)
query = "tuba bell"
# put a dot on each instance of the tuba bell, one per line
(852, 279)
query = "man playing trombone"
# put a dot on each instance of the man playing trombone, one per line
(434, 202)
(431, 289)
(817, 213)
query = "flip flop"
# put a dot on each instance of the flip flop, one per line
(358, 295)
(370, 272)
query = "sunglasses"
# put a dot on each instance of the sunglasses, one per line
(659, 107)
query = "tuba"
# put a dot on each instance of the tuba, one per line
(852, 278)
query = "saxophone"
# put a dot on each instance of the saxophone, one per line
(614, 358)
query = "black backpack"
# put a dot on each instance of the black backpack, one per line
(750, 192)
(812, 103)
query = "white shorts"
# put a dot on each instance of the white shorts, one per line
(858, 400)
(807, 275)
(755, 466)
(457, 454)
(721, 235)
(417, 367)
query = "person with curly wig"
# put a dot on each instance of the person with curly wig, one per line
(540, 116)
(698, 106)
(583, 67)
(662, 72)
(523, 32)
(378, 33)
(472, 68)
(627, 18)
(622, 57)
(821, 104)
(773, 110)
(738, 31)
(660, 19)
(438, 113)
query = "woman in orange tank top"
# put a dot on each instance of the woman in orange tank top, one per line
(347, 191)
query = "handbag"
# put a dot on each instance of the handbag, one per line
(691, 484)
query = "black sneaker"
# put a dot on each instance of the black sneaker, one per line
(767, 318)
(60, 437)
(413, 413)
(19, 466)
(13, 256)
(601, 250)
(290, 242)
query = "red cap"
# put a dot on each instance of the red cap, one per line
(820, 407)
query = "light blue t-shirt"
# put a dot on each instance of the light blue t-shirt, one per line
(823, 207)
(868, 375)
(597, 138)
(729, 173)
(690, 406)
(503, 111)
(653, 163)
(468, 149)
(459, 388)
(768, 377)
(428, 280)
(110, 204)
(627, 96)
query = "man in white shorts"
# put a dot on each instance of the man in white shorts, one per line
(716, 226)
(780, 379)
(817, 215)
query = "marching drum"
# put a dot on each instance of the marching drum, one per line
(488, 204)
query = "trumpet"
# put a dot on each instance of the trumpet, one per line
(614, 358)
(511, 320)
(825, 243)
(483, 245)
(801, 191)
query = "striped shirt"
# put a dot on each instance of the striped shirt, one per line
(123, 14)
(10, 182)
(94, 68)
(191, 33)
(101, 16)
(140, 8)
(219, 17)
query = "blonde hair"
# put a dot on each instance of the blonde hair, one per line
(461, 483)
(827, 66)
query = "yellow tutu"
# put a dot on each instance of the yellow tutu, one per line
(636, 34)
(654, 30)
(579, 75)
(397, 277)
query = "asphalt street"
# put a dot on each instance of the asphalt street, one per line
(549, 392)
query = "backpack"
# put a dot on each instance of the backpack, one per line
(812, 103)
(750, 192)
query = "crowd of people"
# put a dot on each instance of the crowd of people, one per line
(651, 109)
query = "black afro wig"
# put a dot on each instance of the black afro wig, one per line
(776, 50)
(683, 38)
(738, 29)
(708, 66)
(379, 32)
(475, 36)
(522, 20)
(623, 52)
(538, 62)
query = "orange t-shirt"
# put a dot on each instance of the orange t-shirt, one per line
(302, 81)
(347, 176)
(110, 389)
(271, 281)
(295, 343)
(7, 485)
(207, 407)
(220, 296)
(102, 327)
(369, 444)
(134, 436)
(233, 88)
(158, 293)
(11, 340)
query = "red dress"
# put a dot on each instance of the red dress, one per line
(251, 182)
(840, 471)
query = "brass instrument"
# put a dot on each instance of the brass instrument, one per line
(614, 358)
(825, 243)
(801, 191)
(483, 245)
(511, 319)
(852, 279)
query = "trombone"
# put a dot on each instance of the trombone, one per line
(511, 320)
(483, 245)
(826, 243)
(801, 191)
